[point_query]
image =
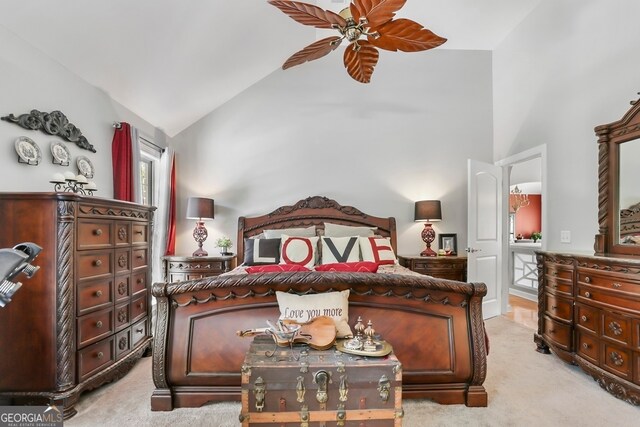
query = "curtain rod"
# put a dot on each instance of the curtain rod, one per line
(118, 125)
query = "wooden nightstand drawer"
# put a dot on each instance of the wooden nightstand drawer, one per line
(177, 268)
(443, 267)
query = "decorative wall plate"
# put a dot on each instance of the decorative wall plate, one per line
(28, 151)
(85, 167)
(60, 152)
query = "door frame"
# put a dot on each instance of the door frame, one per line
(533, 153)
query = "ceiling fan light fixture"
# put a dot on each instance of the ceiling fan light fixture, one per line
(373, 19)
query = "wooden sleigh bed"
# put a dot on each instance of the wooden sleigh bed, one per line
(434, 325)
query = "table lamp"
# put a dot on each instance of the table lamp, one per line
(200, 209)
(428, 211)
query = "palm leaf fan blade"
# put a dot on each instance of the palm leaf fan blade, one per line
(361, 61)
(313, 51)
(309, 14)
(377, 12)
(407, 36)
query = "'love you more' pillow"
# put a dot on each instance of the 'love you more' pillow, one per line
(303, 308)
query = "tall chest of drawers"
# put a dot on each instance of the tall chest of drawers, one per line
(589, 314)
(84, 318)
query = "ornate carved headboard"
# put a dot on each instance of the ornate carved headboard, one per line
(312, 211)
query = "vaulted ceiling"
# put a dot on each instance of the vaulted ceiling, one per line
(172, 62)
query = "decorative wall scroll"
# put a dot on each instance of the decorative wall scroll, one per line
(54, 123)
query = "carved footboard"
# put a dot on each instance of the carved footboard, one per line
(435, 327)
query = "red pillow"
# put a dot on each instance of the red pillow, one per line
(275, 268)
(358, 267)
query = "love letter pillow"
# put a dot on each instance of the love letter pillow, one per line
(298, 250)
(377, 250)
(303, 308)
(340, 249)
(261, 251)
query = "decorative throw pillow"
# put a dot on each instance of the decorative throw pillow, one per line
(296, 232)
(277, 268)
(303, 308)
(298, 250)
(338, 230)
(261, 251)
(357, 267)
(377, 250)
(340, 249)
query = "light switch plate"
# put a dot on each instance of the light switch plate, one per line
(565, 236)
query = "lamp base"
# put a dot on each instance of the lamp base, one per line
(200, 252)
(428, 252)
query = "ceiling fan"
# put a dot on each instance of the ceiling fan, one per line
(372, 19)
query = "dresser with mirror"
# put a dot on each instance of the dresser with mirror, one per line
(589, 304)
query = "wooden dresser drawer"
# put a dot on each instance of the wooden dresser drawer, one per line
(618, 283)
(138, 332)
(139, 307)
(617, 360)
(559, 286)
(139, 282)
(588, 318)
(94, 295)
(123, 233)
(559, 271)
(93, 327)
(558, 307)
(607, 298)
(588, 347)
(139, 258)
(96, 357)
(95, 264)
(94, 234)
(140, 233)
(123, 261)
(557, 332)
(616, 327)
(122, 316)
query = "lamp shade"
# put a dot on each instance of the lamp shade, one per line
(199, 208)
(428, 210)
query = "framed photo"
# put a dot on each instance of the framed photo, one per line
(448, 242)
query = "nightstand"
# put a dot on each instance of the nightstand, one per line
(444, 267)
(181, 268)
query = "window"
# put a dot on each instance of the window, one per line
(149, 170)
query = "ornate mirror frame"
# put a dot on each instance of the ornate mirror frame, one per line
(610, 136)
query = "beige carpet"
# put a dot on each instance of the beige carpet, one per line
(525, 388)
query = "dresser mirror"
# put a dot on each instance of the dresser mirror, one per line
(619, 185)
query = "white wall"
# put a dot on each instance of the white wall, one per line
(312, 130)
(571, 65)
(31, 80)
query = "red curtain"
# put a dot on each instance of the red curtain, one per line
(122, 163)
(171, 229)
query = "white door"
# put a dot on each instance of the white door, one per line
(484, 229)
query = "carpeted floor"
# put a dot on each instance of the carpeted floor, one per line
(525, 388)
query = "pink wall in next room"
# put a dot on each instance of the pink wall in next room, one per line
(528, 218)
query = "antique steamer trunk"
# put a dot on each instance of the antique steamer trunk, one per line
(305, 387)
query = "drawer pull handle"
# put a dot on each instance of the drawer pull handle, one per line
(100, 355)
(615, 328)
(98, 293)
(139, 331)
(99, 324)
(141, 305)
(583, 318)
(555, 273)
(585, 346)
(140, 257)
(587, 294)
(97, 232)
(97, 263)
(616, 285)
(140, 281)
(553, 307)
(138, 231)
(552, 331)
(587, 279)
(554, 285)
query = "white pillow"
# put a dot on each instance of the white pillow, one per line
(303, 308)
(340, 249)
(377, 249)
(298, 232)
(299, 250)
(337, 230)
